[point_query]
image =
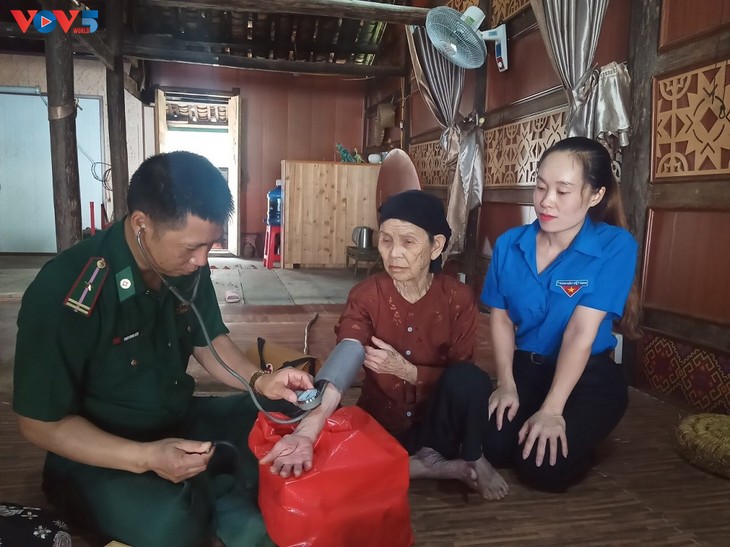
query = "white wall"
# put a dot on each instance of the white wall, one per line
(89, 80)
(27, 220)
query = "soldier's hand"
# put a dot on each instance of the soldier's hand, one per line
(178, 459)
(282, 383)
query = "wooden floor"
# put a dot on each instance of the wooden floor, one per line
(640, 492)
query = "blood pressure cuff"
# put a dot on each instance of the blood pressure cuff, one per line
(343, 364)
(280, 356)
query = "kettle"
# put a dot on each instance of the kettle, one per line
(362, 236)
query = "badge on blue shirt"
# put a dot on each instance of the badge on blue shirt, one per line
(571, 286)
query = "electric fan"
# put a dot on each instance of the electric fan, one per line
(458, 38)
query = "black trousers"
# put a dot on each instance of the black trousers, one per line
(455, 421)
(594, 408)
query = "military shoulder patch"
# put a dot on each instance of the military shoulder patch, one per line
(86, 290)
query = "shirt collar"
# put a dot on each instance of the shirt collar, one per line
(121, 258)
(584, 241)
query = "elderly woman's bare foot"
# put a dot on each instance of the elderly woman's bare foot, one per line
(490, 484)
(429, 464)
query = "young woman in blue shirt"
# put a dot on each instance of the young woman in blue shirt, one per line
(555, 288)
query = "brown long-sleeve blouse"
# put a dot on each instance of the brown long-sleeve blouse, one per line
(432, 333)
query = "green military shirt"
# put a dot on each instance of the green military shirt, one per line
(122, 364)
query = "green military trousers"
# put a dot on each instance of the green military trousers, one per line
(147, 510)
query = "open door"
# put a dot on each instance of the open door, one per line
(207, 123)
(234, 224)
(160, 121)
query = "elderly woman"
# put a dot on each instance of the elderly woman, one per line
(418, 327)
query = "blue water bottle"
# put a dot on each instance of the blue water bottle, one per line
(273, 216)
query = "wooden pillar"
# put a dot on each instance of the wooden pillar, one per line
(405, 140)
(642, 62)
(471, 236)
(62, 123)
(636, 172)
(115, 109)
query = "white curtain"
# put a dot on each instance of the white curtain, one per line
(611, 105)
(465, 192)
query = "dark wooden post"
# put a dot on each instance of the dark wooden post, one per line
(636, 175)
(471, 236)
(62, 123)
(644, 40)
(115, 108)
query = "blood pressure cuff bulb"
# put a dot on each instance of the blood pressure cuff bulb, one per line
(342, 365)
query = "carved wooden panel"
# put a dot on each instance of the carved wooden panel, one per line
(427, 157)
(513, 150)
(502, 10)
(692, 124)
(461, 5)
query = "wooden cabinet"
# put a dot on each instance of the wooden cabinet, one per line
(322, 203)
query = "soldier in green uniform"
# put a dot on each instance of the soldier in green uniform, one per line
(105, 332)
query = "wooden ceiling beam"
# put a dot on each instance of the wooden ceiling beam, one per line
(347, 9)
(140, 50)
(259, 49)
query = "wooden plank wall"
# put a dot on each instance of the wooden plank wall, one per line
(685, 299)
(323, 203)
(285, 116)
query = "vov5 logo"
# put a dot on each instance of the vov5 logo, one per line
(47, 20)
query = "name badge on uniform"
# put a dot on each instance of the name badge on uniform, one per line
(571, 286)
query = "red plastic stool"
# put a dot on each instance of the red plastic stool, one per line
(272, 246)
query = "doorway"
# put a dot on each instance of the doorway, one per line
(206, 123)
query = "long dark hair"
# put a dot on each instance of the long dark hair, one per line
(598, 173)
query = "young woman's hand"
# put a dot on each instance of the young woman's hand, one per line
(544, 427)
(504, 400)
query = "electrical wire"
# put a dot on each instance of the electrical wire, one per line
(208, 341)
(104, 178)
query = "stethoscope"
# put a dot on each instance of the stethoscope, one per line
(209, 343)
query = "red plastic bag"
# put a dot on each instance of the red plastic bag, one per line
(355, 494)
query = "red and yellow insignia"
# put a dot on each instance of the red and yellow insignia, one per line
(571, 286)
(86, 290)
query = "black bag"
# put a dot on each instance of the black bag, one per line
(280, 356)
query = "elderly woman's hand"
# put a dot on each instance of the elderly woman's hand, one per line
(383, 359)
(291, 455)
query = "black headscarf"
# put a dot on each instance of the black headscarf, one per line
(422, 209)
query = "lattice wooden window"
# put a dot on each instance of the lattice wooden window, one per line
(692, 123)
(502, 10)
(513, 150)
(427, 158)
(461, 5)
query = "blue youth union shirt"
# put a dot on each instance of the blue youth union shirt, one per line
(596, 271)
